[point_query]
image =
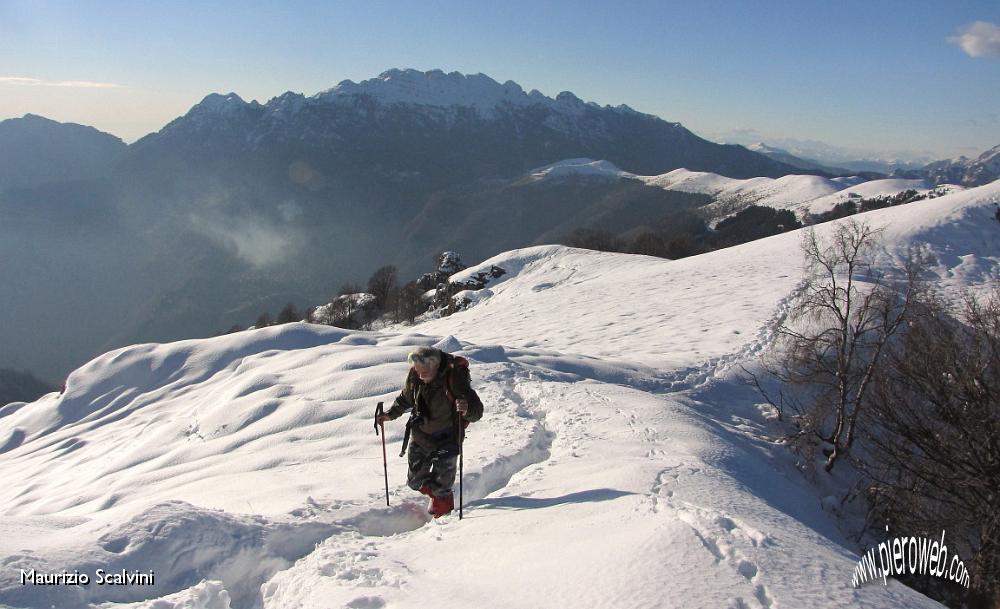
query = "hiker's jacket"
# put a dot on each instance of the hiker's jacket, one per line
(436, 419)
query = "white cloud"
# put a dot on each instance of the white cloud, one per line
(980, 39)
(21, 81)
(254, 240)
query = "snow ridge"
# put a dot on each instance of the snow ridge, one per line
(436, 88)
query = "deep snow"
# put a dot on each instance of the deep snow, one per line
(619, 464)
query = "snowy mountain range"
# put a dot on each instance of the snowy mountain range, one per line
(802, 163)
(962, 171)
(812, 152)
(621, 461)
(434, 126)
(239, 207)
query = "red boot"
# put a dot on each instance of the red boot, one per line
(442, 505)
(426, 490)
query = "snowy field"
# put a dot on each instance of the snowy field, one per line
(619, 463)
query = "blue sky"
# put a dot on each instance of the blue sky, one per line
(868, 75)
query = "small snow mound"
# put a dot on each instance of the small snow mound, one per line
(13, 440)
(448, 344)
(487, 354)
(184, 544)
(11, 408)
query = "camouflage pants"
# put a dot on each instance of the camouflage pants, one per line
(434, 468)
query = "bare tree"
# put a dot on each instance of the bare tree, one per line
(877, 368)
(591, 239)
(833, 341)
(409, 303)
(288, 315)
(344, 310)
(381, 285)
(934, 441)
(349, 288)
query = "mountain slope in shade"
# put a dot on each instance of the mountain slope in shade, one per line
(20, 386)
(545, 205)
(35, 151)
(244, 471)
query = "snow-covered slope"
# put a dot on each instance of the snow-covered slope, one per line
(618, 464)
(800, 193)
(579, 167)
(803, 194)
(863, 190)
(778, 192)
(728, 192)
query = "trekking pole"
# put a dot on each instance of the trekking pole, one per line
(385, 462)
(461, 459)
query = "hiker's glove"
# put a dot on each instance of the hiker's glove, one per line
(461, 406)
(382, 418)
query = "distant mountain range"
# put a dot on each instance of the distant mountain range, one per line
(432, 128)
(962, 171)
(35, 150)
(822, 154)
(238, 207)
(805, 164)
(968, 172)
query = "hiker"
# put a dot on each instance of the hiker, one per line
(439, 394)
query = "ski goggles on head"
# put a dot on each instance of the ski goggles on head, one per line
(423, 359)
